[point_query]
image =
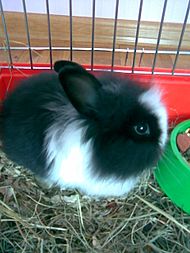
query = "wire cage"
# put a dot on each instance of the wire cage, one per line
(134, 46)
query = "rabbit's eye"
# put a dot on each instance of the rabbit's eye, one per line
(142, 129)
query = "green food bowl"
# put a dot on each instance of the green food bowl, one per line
(173, 171)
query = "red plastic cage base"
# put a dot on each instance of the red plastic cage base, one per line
(176, 88)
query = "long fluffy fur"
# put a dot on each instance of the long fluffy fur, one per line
(99, 155)
(74, 168)
(152, 100)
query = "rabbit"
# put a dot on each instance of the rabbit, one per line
(94, 134)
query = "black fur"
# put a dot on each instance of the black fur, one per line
(118, 150)
(25, 120)
(109, 109)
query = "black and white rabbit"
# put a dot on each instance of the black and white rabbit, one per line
(94, 134)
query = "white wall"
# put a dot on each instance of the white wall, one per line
(128, 9)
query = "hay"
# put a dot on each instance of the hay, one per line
(34, 219)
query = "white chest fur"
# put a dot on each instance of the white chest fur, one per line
(71, 165)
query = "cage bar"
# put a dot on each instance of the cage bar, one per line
(6, 35)
(141, 57)
(159, 35)
(71, 30)
(27, 33)
(181, 37)
(114, 34)
(126, 56)
(93, 30)
(92, 49)
(103, 49)
(137, 34)
(49, 34)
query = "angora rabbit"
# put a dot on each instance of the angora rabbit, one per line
(94, 134)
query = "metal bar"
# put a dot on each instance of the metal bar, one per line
(27, 33)
(181, 37)
(93, 29)
(49, 34)
(159, 35)
(141, 57)
(99, 49)
(114, 34)
(137, 34)
(126, 56)
(71, 30)
(98, 69)
(6, 35)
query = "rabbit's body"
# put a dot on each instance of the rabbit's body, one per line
(87, 136)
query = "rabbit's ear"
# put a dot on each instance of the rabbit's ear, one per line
(59, 65)
(81, 87)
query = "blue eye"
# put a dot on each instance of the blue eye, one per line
(142, 128)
